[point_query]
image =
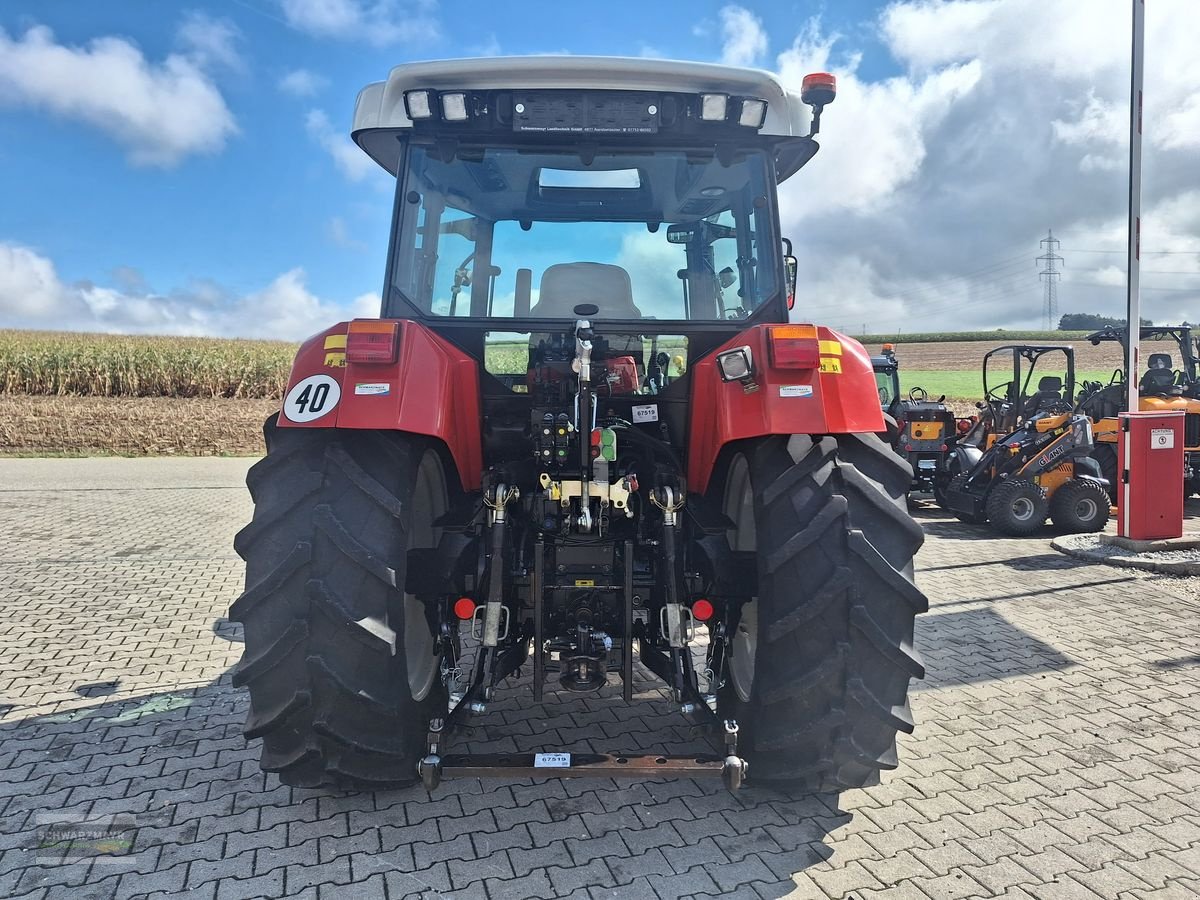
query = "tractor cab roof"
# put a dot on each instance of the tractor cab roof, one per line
(383, 113)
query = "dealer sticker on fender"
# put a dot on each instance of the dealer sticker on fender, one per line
(377, 389)
(795, 390)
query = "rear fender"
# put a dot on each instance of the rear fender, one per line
(840, 397)
(1087, 468)
(432, 389)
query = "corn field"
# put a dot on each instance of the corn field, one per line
(102, 365)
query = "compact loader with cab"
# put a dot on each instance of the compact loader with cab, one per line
(1029, 456)
(582, 430)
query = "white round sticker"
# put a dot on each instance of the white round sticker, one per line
(311, 398)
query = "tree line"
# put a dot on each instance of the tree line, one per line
(1089, 322)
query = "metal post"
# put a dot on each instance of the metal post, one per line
(539, 611)
(627, 653)
(1134, 300)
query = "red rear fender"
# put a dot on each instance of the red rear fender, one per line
(431, 388)
(836, 395)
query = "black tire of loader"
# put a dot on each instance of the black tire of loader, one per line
(1073, 496)
(1009, 498)
(837, 603)
(1106, 457)
(325, 551)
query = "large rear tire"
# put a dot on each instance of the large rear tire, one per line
(341, 664)
(820, 661)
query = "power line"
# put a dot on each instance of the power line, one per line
(1144, 252)
(1185, 290)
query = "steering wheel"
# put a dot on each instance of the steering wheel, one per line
(918, 394)
(1000, 391)
(884, 396)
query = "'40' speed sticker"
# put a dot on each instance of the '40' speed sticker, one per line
(311, 398)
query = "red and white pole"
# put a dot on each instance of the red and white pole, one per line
(1133, 280)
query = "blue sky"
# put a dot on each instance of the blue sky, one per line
(247, 197)
(272, 198)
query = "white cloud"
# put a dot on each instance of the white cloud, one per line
(744, 41)
(873, 138)
(160, 112)
(377, 22)
(302, 83)
(33, 296)
(210, 41)
(352, 162)
(924, 208)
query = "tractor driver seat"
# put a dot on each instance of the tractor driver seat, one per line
(1049, 392)
(1159, 379)
(566, 285)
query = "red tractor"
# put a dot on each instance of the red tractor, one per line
(582, 431)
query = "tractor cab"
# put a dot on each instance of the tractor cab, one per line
(887, 379)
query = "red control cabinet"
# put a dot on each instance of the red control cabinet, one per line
(1155, 475)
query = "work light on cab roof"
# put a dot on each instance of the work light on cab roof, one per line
(585, 426)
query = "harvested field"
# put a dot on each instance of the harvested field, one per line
(91, 394)
(114, 365)
(968, 355)
(131, 426)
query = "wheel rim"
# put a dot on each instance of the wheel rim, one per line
(739, 507)
(1085, 509)
(1022, 509)
(420, 644)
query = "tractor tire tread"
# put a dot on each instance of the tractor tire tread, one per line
(325, 555)
(835, 660)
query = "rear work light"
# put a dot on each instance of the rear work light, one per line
(372, 341)
(419, 104)
(454, 107)
(736, 364)
(714, 107)
(753, 114)
(794, 347)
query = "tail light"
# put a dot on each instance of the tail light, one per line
(372, 341)
(702, 609)
(795, 347)
(464, 608)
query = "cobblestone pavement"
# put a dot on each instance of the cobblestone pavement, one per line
(1056, 754)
